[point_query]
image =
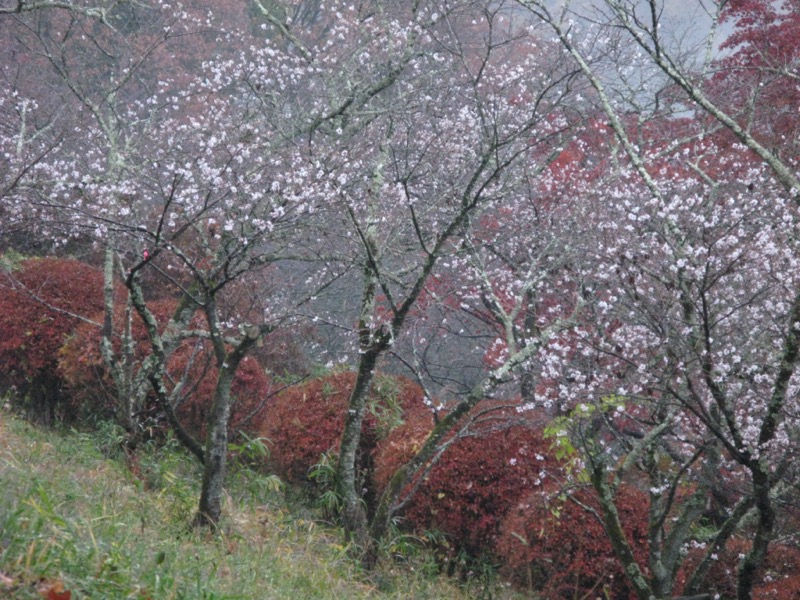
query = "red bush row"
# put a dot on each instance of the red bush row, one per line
(51, 311)
(495, 490)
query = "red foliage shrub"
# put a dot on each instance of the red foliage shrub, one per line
(778, 578)
(400, 445)
(82, 366)
(782, 574)
(555, 547)
(477, 480)
(40, 305)
(249, 391)
(306, 421)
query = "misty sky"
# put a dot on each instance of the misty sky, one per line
(685, 19)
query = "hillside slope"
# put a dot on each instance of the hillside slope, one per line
(78, 520)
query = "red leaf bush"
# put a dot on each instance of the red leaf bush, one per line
(778, 578)
(780, 575)
(556, 548)
(40, 305)
(93, 392)
(478, 479)
(306, 421)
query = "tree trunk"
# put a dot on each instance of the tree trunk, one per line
(728, 528)
(616, 535)
(216, 452)
(354, 516)
(388, 503)
(764, 532)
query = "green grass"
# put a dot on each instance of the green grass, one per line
(75, 516)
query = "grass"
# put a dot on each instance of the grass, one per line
(77, 520)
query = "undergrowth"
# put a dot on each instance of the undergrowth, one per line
(81, 519)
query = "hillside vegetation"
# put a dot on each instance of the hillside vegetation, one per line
(77, 520)
(502, 290)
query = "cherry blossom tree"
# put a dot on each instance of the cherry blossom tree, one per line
(198, 180)
(451, 153)
(696, 257)
(590, 197)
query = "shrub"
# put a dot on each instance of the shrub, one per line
(81, 364)
(555, 547)
(40, 305)
(93, 392)
(478, 479)
(305, 421)
(778, 578)
(400, 445)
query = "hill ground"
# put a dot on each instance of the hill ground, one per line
(80, 520)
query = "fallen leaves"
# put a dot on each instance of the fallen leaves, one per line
(48, 589)
(53, 590)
